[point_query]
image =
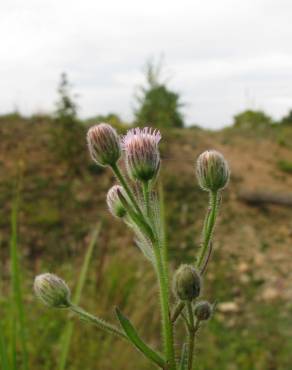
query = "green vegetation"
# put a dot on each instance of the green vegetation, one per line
(285, 166)
(253, 333)
(157, 104)
(66, 127)
(251, 119)
(287, 120)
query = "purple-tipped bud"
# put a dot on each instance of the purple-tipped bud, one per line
(141, 152)
(104, 144)
(52, 290)
(212, 171)
(187, 283)
(203, 310)
(114, 203)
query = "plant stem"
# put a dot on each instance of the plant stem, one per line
(191, 339)
(100, 323)
(125, 185)
(209, 226)
(177, 311)
(166, 321)
(145, 186)
(162, 275)
(164, 249)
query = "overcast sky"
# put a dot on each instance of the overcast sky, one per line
(223, 56)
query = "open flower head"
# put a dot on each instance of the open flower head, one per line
(141, 153)
(104, 144)
(114, 203)
(212, 171)
(52, 290)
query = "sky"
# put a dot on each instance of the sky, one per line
(221, 56)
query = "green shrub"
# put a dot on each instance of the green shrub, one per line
(285, 166)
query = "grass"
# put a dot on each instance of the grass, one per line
(17, 308)
(256, 338)
(68, 331)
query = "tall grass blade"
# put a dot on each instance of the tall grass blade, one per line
(3, 352)
(67, 335)
(17, 300)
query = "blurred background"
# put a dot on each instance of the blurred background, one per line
(208, 75)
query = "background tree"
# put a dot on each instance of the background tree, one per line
(157, 104)
(287, 120)
(250, 119)
(67, 128)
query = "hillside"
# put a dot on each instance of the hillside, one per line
(250, 274)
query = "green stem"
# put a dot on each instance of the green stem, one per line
(167, 325)
(100, 323)
(145, 186)
(209, 226)
(125, 185)
(191, 336)
(162, 275)
(177, 311)
(164, 249)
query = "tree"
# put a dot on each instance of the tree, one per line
(287, 120)
(157, 104)
(67, 130)
(252, 119)
(66, 108)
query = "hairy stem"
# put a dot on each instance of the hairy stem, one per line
(167, 326)
(146, 193)
(209, 227)
(125, 185)
(162, 275)
(177, 311)
(191, 336)
(100, 323)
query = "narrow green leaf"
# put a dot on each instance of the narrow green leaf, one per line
(16, 282)
(138, 342)
(3, 352)
(183, 360)
(67, 335)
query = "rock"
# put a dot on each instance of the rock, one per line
(228, 307)
(243, 267)
(270, 294)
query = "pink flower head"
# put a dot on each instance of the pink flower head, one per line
(141, 152)
(104, 144)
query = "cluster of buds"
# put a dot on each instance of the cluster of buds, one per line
(138, 206)
(140, 147)
(52, 290)
(212, 171)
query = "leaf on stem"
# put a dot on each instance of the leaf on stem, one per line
(133, 336)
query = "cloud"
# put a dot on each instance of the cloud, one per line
(223, 56)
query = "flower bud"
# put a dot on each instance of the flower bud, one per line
(52, 290)
(141, 152)
(203, 310)
(212, 171)
(187, 283)
(104, 144)
(114, 203)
